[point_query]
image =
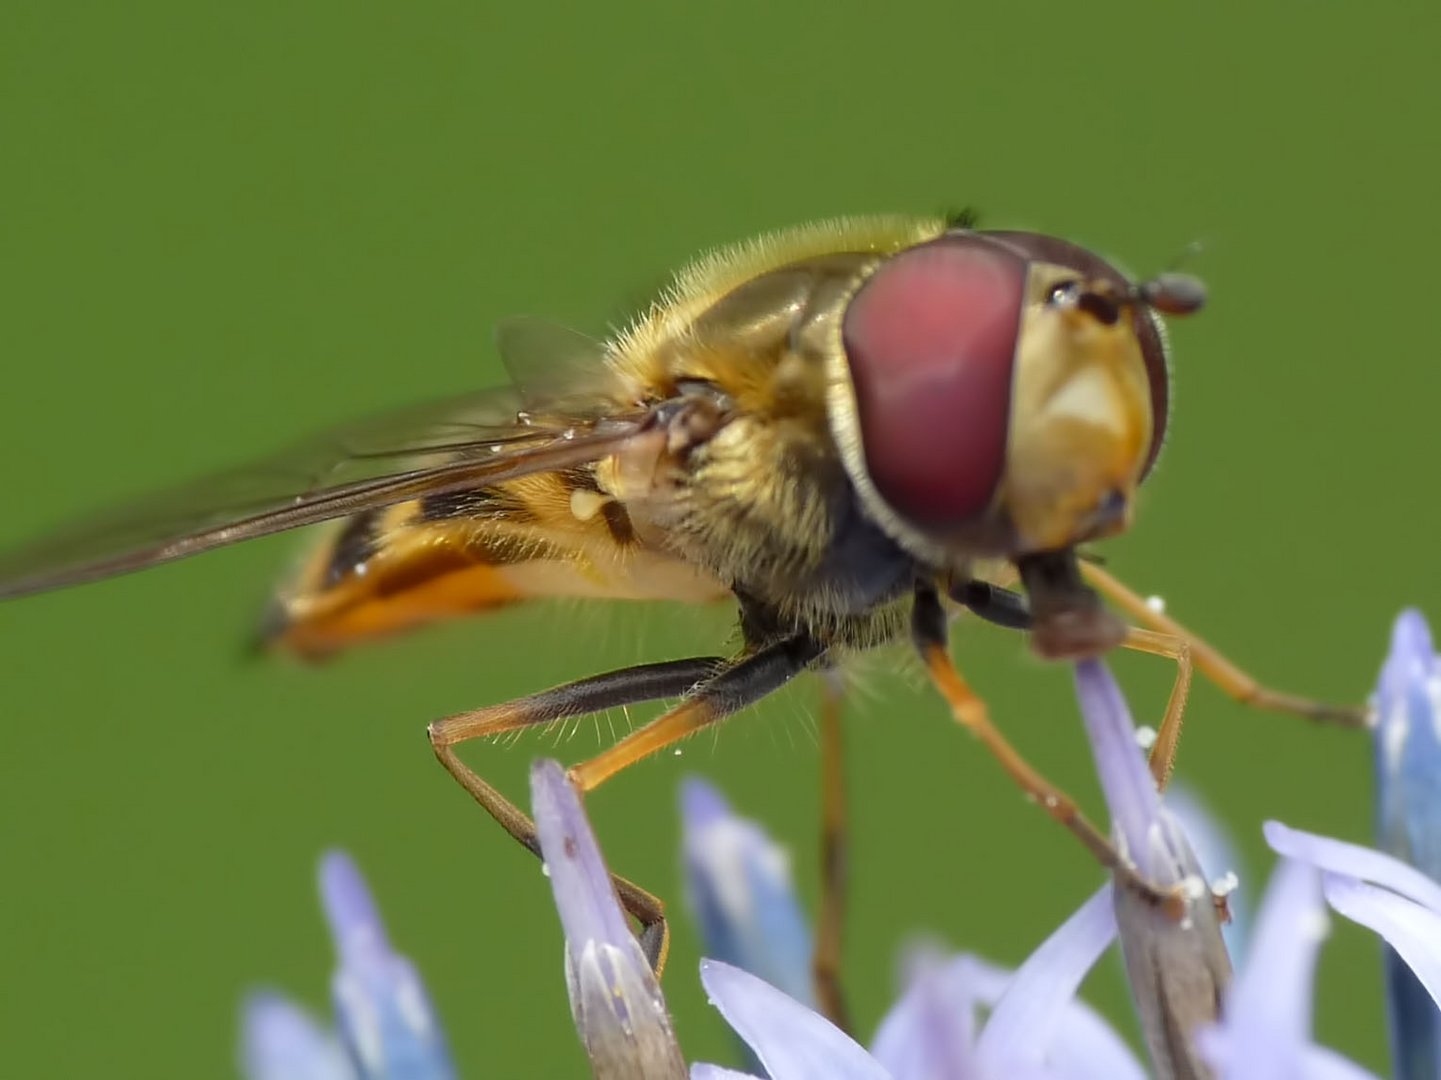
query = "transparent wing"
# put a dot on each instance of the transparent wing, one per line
(553, 364)
(445, 446)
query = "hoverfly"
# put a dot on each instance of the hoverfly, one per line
(852, 429)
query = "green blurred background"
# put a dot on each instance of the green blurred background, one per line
(225, 225)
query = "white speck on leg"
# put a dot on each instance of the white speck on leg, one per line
(1225, 885)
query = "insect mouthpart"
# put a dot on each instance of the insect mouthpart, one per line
(1068, 621)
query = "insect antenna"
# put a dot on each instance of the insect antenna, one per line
(1172, 292)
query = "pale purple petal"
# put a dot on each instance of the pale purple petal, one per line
(584, 895)
(1408, 746)
(987, 981)
(355, 925)
(281, 1041)
(385, 1016)
(1353, 860)
(1308, 1063)
(1126, 780)
(930, 1031)
(1408, 819)
(1038, 1025)
(615, 1000)
(1084, 1043)
(1086, 1047)
(1267, 1025)
(1043, 1031)
(1410, 662)
(1413, 930)
(718, 1072)
(1023, 1020)
(792, 1042)
(739, 887)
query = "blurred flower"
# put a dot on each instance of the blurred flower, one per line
(1267, 1028)
(281, 1041)
(1390, 897)
(791, 1041)
(738, 883)
(383, 1016)
(1266, 1033)
(1408, 789)
(959, 1018)
(614, 997)
(742, 896)
(1035, 1027)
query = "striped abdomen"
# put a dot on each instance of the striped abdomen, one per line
(553, 534)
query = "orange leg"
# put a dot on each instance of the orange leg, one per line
(1168, 735)
(929, 631)
(627, 687)
(1215, 666)
(835, 862)
(1002, 606)
(714, 689)
(743, 683)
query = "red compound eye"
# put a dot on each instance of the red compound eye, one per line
(931, 343)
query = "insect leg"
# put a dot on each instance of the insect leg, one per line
(625, 687)
(1004, 607)
(743, 682)
(929, 632)
(1007, 608)
(835, 862)
(1168, 735)
(1216, 667)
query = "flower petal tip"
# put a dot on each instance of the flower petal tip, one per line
(701, 803)
(1280, 837)
(791, 1041)
(584, 895)
(738, 886)
(349, 907)
(1411, 635)
(279, 1040)
(1409, 662)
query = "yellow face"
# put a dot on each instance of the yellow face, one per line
(1081, 423)
(1004, 393)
